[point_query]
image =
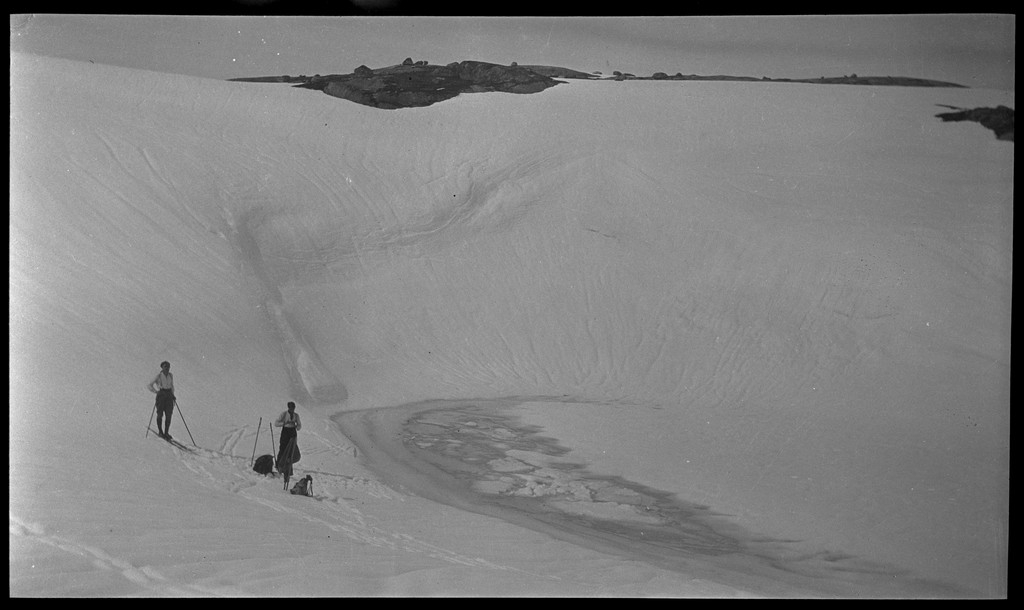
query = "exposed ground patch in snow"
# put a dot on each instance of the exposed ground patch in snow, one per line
(478, 455)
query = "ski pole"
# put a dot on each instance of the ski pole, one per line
(186, 423)
(258, 426)
(148, 426)
(273, 443)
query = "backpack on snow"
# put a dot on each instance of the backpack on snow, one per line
(303, 487)
(264, 464)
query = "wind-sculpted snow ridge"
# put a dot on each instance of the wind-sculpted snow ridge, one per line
(311, 379)
(786, 303)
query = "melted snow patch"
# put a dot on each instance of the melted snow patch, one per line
(478, 456)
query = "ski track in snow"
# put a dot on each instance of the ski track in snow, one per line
(222, 469)
(145, 577)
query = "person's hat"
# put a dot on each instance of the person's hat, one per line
(164, 364)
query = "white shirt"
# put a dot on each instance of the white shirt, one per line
(164, 381)
(289, 420)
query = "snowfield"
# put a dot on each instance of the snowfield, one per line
(644, 338)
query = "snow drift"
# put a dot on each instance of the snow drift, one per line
(790, 303)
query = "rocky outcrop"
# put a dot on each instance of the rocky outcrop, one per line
(416, 84)
(852, 79)
(558, 72)
(998, 119)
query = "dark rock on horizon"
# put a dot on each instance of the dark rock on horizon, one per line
(417, 84)
(998, 119)
(557, 72)
(852, 79)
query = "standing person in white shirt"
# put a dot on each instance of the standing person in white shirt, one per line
(290, 424)
(163, 387)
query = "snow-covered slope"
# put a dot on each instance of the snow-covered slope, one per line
(788, 302)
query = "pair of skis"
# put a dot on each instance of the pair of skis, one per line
(149, 426)
(173, 442)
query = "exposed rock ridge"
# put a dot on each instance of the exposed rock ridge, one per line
(998, 119)
(421, 84)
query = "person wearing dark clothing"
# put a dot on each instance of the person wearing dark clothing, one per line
(290, 424)
(163, 387)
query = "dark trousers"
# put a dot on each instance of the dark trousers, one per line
(164, 406)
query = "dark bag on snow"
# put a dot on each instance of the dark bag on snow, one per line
(264, 464)
(304, 486)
